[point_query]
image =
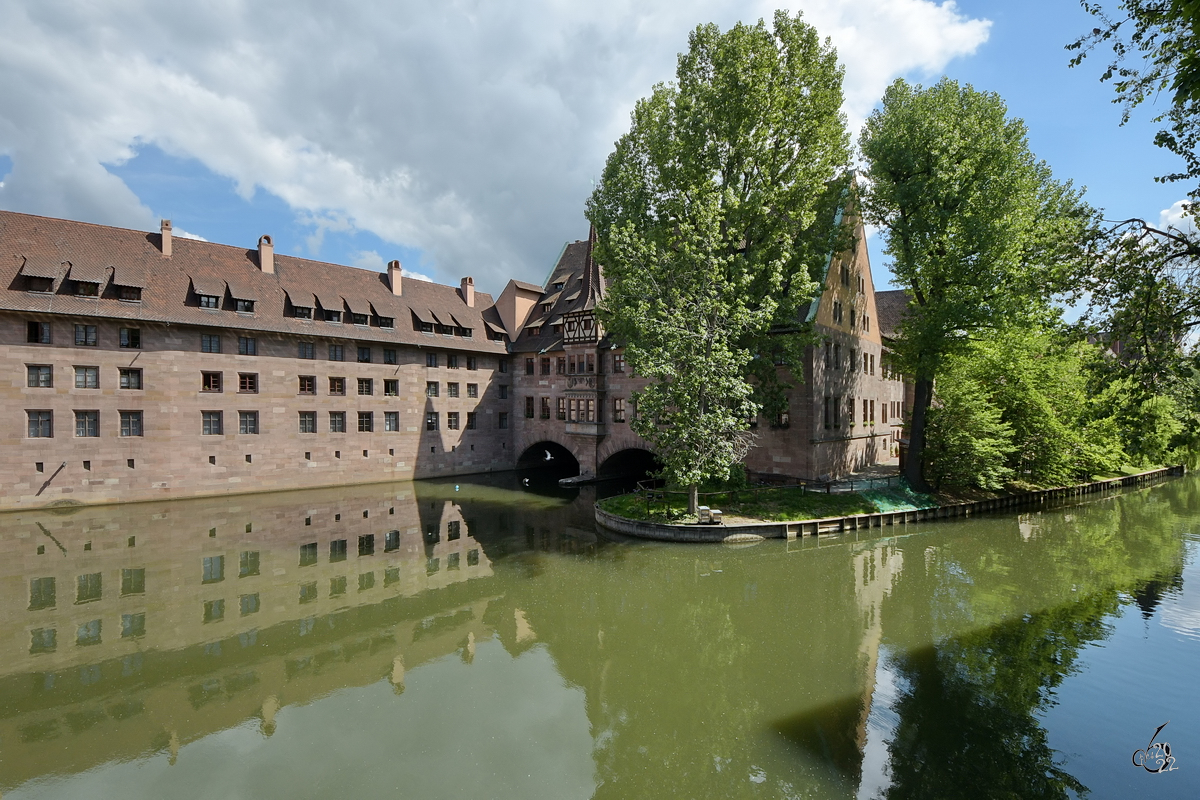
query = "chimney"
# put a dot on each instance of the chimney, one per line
(266, 254)
(394, 276)
(166, 238)
(468, 291)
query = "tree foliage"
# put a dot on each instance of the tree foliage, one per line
(713, 214)
(980, 234)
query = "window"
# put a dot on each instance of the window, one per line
(131, 378)
(212, 425)
(545, 365)
(452, 390)
(431, 359)
(391, 541)
(214, 610)
(866, 363)
(41, 593)
(618, 362)
(308, 554)
(358, 319)
(308, 422)
(308, 591)
(248, 382)
(452, 420)
(87, 288)
(366, 545)
(337, 421)
(366, 421)
(618, 409)
(249, 604)
(502, 365)
(529, 366)
(471, 420)
(131, 423)
(431, 388)
(308, 384)
(133, 581)
(431, 421)
(337, 550)
(391, 388)
(209, 301)
(333, 316)
(364, 355)
(337, 386)
(502, 420)
(545, 408)
(247, 346)
(41, 424)
(472, 390)
(471, 363)
(591, 362)
(337, 586)
(529, 408)
(307, 350)
(87, 377)
(88, 633)
(85, 335)
(302, 312)
(131, 337)
(248, 422)
(213, 569)
(87, 424)
(210, 381)
(837, 356)
(451, 361)
(39, 376)
(366, 386)
(89, 587)
(503, 390)
(210, 343)
(389, 356)
(247, 563)
(38, 333)
(43, 640)
(561, 367)
(337, 352)
(391, 420)
(872, 363)
(850, 411)
(561, 410)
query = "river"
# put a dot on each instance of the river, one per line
(481, 638)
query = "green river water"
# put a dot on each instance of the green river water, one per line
(480, 639)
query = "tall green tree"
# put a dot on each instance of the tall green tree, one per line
(980, 234)
(713, 215)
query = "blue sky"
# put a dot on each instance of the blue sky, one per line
(463, 138)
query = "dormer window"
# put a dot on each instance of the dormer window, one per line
(39, 284)
(302, 312)
(86, 289)
(245, 306)
(536, 330)
(559, 286)
(209, 301)
(547, 306)
(558, 328)
(130, 294)
(385, 322)
(358, 319)
(426, 327)
(333, 316)
(464, 332)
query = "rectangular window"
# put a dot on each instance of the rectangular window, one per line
(391, 420)
(89, 587)
(837, 356)
(472, 390)
(545, 408)
(872, 363)
(133, 581)
(471, 362)
(308, 384)
(561, 365)
(561, 411)
(41, 593)
(366, 421)
(130, 377)
(529, 408)
(364, 355)
(850, 411)
(43, 640)
(337, 421)
(452, 420)
(529, 366)
(212, 423)
(210, 381)
(247, 563)
(38, 333)
(302, 312)
(307, 350)
(337, 352)
(87, 424)
(545, 365)
(308, 422)
(391, 541)
(431, 388)
(618, 409)
(131, 337)
(451, 390)
(85, 335)
(471, 420)
(502, 365)
(571, 366)
(337, 586)
(249, 604)
(308, 592)
(131, 423)
(247, 346)
(884, 407)
(333, 316)
(209, 300)
(248, 382)
(214, 610)
(836, 403)
(431, 421)
(391, 388)
(618, 362)
(366, 545)
(337, 550)
(451, 361)
(389, 356)
(431, 359)
(366, 581)
(502, 420)
(210, 343)
(337, 386)
(87, 377)
(133, 625)
(358, 319)
(39, 376)
(308, 554)
(88, 633)
(866, 363)
(453, 530)
(213, 569)
(366, 386)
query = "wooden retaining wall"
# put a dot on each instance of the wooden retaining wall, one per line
(668, 532)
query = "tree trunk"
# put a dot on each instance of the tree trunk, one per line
(922, 398)
(693, 499)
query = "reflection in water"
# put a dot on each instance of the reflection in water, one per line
(416, 628)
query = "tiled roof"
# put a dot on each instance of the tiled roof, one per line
(44, 244)
(890, 307)
(571, 271)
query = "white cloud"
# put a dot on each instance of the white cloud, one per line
(1174, 217)
(469, 130)
(181, 233)
(370, 259)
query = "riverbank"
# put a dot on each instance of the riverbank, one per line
(847, 515)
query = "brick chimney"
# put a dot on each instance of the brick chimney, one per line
(468, 291)
(166, 238)
(266, 254)
(394, 277)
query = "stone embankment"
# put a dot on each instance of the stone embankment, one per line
(749, 531)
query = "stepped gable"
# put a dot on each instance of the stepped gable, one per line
(890, 307)
(42, 247)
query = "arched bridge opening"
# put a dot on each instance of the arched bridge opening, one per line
(632, 463)
(549, 459)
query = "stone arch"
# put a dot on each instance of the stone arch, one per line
(628, 462)
(549, 454)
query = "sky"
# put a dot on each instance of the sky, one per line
(463, 137)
